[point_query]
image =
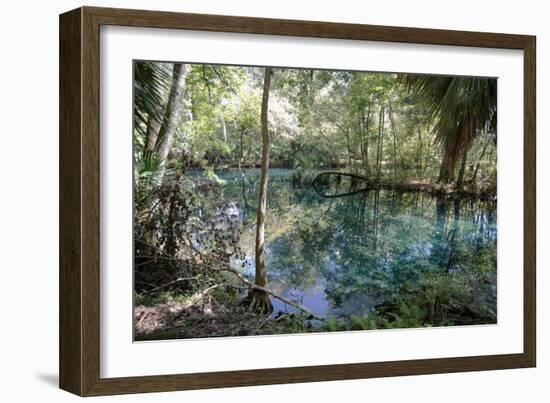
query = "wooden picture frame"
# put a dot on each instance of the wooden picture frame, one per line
(79, 201)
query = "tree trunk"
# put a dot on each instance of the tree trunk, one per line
(365, 138)
(460, 179)
(479, 161)
(173, 111)
(394, 132)
(260, 300)
(348, 144)
(363, 128)
(447, 169)
(379, 155)
(419, 158)
(224, 129)
(367, 126)
(241, 157)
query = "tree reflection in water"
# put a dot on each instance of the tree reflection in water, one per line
(395, 259)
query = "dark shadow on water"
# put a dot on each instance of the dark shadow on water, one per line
(49, 379)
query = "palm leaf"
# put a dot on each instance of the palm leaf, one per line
(462, 107)
(151, 86)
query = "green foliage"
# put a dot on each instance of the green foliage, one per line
(463, 108)
(151, 85)
(374, 124)
(388, 128)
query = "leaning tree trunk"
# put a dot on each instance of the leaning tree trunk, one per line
(173, 112)
(164, 137)
(259, 300)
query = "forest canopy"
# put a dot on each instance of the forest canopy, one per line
(383, 126)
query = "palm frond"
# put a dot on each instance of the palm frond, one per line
(151, 86)
(462, 107)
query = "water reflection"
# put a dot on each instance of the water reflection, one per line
(429, 260)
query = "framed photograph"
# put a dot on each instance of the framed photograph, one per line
(249, 201)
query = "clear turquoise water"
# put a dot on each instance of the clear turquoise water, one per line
(377, 250)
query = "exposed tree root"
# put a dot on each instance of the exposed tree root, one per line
(223, 266)
(262, 290)
(258, 301)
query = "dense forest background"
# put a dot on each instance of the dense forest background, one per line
(390, 127)
(397, 132)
